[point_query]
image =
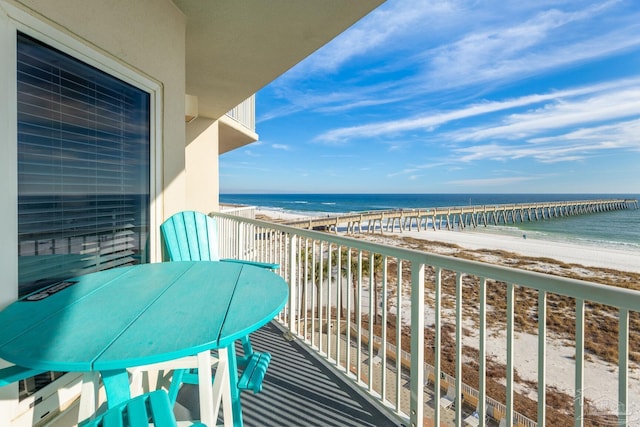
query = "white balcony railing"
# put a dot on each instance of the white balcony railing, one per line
(334, 294)
(245, 113)
(240, 211)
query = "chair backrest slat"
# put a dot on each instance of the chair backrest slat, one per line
(190, 236)
(153, 407)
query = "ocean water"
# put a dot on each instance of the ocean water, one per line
(618, 229)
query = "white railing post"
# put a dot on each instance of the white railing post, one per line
(383, 345)
(223, 242)
(242, 250)
(482, 354)
(293, 279)
(371, 309)
(437, 346)
(623, 367)
(509, 356)
(358, 322)
(578, 403)
(348, 312)
(399, 320)
(542, 358)
(339, 303)
(458, 362)
(417, 345)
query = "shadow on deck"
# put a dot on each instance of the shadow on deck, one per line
(299, 390)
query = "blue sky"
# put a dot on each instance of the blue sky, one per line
(456, 96)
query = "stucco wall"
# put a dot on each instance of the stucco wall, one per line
(201, 160)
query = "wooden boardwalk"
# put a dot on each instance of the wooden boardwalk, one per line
(459, 217)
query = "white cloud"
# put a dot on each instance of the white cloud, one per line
(280, 147)
(544, 153)
(441, 45)
(251, 153)
(408, 171)
(417, 168)
(491, 182)
(394, 27)
(431, 120)
(378, 30)
(617, 135)
(338, 156)
(564, 112)
(517, 47)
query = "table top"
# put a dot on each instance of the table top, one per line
(137, 315)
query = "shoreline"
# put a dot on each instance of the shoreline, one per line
(531, 246)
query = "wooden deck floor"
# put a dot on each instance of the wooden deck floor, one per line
(299, 390)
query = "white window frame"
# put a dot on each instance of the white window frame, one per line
(13, 20)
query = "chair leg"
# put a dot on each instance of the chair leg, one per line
(233, 381)
(176, 382)
(248, 352)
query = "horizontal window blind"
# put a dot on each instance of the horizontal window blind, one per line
(83, 168)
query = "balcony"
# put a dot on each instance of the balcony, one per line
(245, 113)
(439, 349)
(344, 355)
(299, 389)
(238, 126)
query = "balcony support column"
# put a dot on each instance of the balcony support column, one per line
(417, 345)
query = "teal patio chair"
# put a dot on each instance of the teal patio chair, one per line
(193, 236)
(152, 408)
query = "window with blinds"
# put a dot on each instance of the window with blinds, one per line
(83, 168)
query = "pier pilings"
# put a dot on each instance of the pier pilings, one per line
(460, 217)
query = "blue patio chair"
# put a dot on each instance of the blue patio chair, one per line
(193, 236)
(152, 408)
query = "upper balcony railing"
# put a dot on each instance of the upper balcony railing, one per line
(245, 113)
(384, 314)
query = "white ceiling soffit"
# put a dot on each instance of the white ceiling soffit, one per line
(236, 47)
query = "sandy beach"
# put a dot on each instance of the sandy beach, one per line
(589, 256)
(601, 377)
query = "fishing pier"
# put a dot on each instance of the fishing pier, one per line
(460, 217)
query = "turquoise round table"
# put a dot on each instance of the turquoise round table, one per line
(133, 316)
